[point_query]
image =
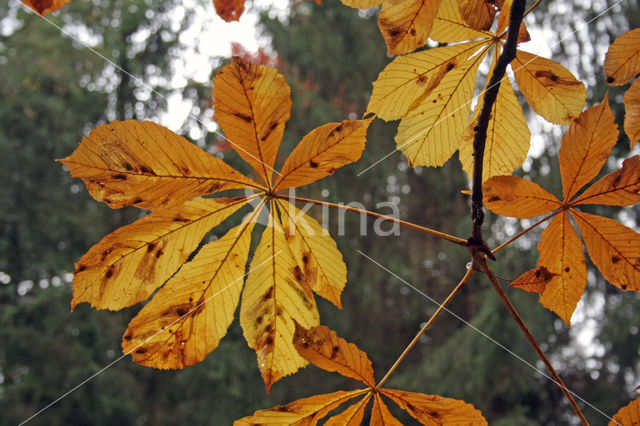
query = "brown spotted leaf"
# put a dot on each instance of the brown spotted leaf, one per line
(229, 10)
(187, 318)
(629, 415)
(146, 165)
(435, 410)
(561, 253)
(275, 298)
(516, 197)
(622, 61)
(315, 251)
(45, 6)
(550, 89)
(303, 412)
(534, 281)
(586, 145)
(252, 106)
(322, 151)
(322, 347)
(619, 188)
(352, 416)
(613, 248)
(406, 24)
(632, 113)
(380, 414)
(129, 264)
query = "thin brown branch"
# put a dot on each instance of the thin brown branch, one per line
(433, 232)
(482, 263)
(521, 233)
(467, 276)
(476, 241)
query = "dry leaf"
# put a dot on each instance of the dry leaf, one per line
(632, 113)
(503, 23)
(449, 27)
(479, 14)
(406, 24)
(550, 89)
(629, 415)
(622, 61)
(516, 197)
(380, 414)
(352, 416)
(45, 6)
(229, 10)
(534, 281)
(619, 188)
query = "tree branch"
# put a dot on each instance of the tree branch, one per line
(480, 138)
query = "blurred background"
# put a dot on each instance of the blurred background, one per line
(54, 90)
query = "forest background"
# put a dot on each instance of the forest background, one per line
(54, 90)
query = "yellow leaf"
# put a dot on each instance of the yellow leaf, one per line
(303, 412)
(449, 27)
(146, 165)
(550, 89)
(252, 106)
(620, 188)
(479, 14)
(275, 297)
(352, 416)
(229, 10)
(361, 4)
(406, 24)
(316, 253)
(586, 147)
(380, 414)
(503, 23)
(130, 263)
(429, 134)
(45, 6)
(435, 410)
(628, 415)
(562, 254)
(534, 281)
(516, 197)
(411, 77)
(322, 347)
(632, 113)
(622, 61)
(614, 249)
(322, 151)
(187, 318)
(508, 135)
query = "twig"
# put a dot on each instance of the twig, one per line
(433, 232)
(470, 272)
(482, 263)
(480, 137)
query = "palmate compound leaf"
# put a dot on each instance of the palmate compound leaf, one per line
(629, 415)
(508, 135)
(45, 6)
(322, 347)
(146, 165)
(561, 276)
(622, 61)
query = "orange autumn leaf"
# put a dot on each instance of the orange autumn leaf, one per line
(45, 6)
(479, 14)
(406, 24)
(622, 61)
(629, 415)
(632, 113)
(435, 410)
(322, 347)
(562, 254)
(229, 10)
(534, 281)
(613, 247)
(550, 89)
(380, 414)
(148, 166)
(450, 27)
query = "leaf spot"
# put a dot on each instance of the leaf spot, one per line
(615, 259)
